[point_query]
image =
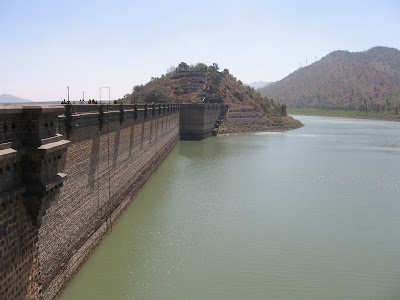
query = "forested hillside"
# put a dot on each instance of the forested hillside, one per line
(361, 81)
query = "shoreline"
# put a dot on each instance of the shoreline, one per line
(323, 113)
(347, 117)
(241, 130)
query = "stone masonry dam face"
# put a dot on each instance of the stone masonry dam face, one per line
(67, 174)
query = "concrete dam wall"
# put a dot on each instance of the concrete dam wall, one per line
(68, 173)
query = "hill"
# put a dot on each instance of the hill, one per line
(360, 81)
(7, 99)
(206, 84)
(200, 84)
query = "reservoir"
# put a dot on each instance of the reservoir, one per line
(312, 213)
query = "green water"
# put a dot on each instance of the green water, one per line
(312, 213)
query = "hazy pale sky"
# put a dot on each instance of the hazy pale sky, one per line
(47, 45)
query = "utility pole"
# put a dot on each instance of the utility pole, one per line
(68, 92)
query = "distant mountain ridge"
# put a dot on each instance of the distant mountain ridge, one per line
(258, 84)
(6, 99)
(362, 81)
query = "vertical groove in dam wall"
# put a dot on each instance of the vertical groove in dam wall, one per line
(67, 174)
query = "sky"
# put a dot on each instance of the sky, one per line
(47, 45)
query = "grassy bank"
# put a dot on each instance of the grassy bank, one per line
(344, 113)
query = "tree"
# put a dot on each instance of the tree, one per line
(138, 88)
(283, 110)
(211, 68)
(200, 67)
(183, 66)
(157, 95)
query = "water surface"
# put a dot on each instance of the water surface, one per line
(312, 213)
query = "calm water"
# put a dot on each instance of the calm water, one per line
(312, 213)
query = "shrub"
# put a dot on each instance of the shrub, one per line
(238, 96)
(201, 67)
(157, 95)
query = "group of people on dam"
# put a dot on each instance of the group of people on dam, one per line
(91, 101)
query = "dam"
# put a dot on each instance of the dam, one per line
(68, 173)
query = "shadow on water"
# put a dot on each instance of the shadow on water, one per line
(223, 146)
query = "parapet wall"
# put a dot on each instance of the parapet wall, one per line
(67, 174)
